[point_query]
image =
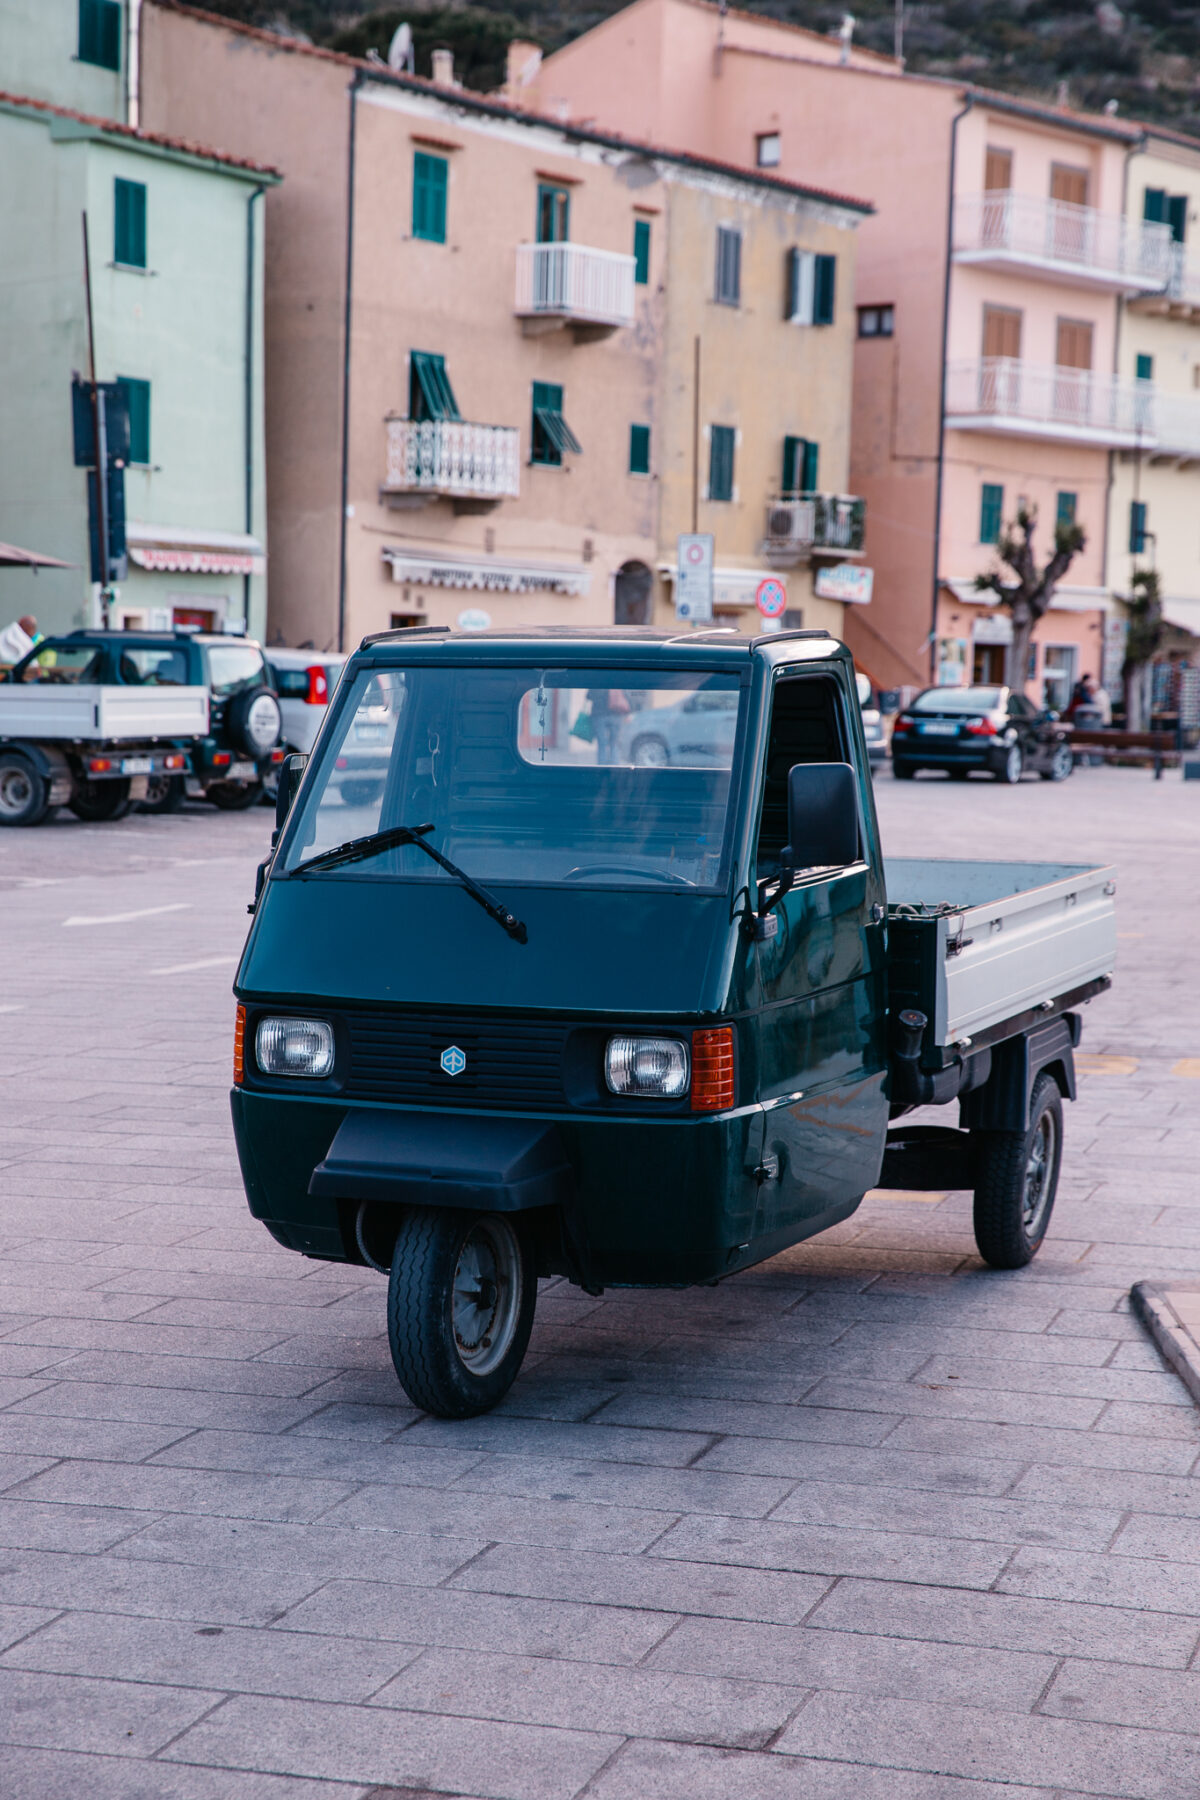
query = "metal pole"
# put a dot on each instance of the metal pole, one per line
(696, 436)
(898, 32)
(99, 436)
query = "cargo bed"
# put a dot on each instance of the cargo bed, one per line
(91, 712)
(975, 946)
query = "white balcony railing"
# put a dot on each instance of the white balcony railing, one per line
(451, 457)
(1064, 242)
(573, 283)
(1027, 400)
(1184, 285)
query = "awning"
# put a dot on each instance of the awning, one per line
(184, 550)
(486, 574)
(557, 430)
(13, 557)
(434, 385)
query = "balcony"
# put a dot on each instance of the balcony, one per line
(1068, 406)
(803, 525)
(1055, 241)
(569, 284)
(1181, 296)
(476, 466)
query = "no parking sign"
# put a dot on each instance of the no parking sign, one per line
(770, 597)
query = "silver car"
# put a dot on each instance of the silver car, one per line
(304, 681)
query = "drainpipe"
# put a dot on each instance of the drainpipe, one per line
(133, 66)
(941, 449)
(1122, 303)
(360, 78)
(248, 404)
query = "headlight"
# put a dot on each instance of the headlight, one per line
(294, 1047)
(651, 1067)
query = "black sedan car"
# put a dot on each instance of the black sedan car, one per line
(990, 728)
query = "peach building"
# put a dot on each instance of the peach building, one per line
(509, 362)
(990, 282)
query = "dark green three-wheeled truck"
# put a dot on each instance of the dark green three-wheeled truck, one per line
(576, 954)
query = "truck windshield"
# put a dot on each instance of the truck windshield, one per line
(596, 777)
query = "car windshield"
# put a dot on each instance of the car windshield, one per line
(957, 700)
(597, 777)
(232, 667)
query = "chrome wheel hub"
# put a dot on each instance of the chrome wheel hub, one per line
(485, 1299)
(1039, 1174)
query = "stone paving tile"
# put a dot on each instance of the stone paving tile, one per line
(643, 1769)
(32, 1525)
(883, 1467)
(1108, 1580)
(157, 1489)
(816, 1550)
(809, 1423)
(608, 1443)
(51, 1774)
(562, 1524)
(16, 1622)
(322, 1551)
(1070, 1449)
(630, 1484)
(70, 1712)
(1008, 1520)
(1127, 1490)
(333, 1459)
(155, 1590)
(182, 1408)
(1159, 1699)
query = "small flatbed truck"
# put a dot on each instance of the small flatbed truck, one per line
(514, 1004)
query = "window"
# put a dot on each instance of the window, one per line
(136, 395)
(1058, 676)
(1145, 367)
(1001, 333)
(808, 725)
(800, 462)
(553, 214)
(809, 288)
(722, 441)
(876, 321)
(991, 509)
(1137, 527)
(728, 289)
(1161, 208)
(159, 668)
(129, 223)
(431, 175)
(100, 33)
(639, 449)
(430, 395)
(768, 151)
(997, 170)
(1065, 511)
(551, 435)
(641, 251)
(1073, 344)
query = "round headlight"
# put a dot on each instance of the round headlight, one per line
(647, 1067)
(294, 1047)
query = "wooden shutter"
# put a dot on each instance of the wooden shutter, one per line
(430, 175)
(991, 511)
(799, 279)
(720, 462)
(1001, 332)
(1073, 345)
(641, 251)
(824, 289)
(997, 170)
(1137, 527)
(1068, 184)
(809, 467)
(639, 449)
(137, 402)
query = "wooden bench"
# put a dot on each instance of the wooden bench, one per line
(1156, 747)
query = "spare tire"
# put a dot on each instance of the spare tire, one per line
(254, 722)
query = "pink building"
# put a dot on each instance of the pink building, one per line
(988, 291)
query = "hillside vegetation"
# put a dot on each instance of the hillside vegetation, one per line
(1143, 56)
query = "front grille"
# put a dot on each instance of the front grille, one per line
(510, 1063)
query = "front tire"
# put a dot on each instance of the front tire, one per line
(24, 791)
(649, 752)
(1016, 1179)
(235, 796)
(1061, 764)
(1013, 766)
(460, 1308)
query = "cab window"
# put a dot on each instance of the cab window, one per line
(60, 662)
(154, 667)
(807, 726)
(234, 667)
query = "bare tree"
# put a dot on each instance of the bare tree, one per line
(1028, 596)
(1144, 639)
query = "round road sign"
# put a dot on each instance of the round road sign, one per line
(771, 598)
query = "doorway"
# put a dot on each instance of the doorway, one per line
(632, 594)
(193, 618)
(987, 665)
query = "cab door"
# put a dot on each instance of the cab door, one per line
(822, 985)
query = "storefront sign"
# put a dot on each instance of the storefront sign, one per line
(848, 582)
(996, 630)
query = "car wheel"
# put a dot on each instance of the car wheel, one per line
(362, 793)
(1013, 766)
(903, 771)
(24, 792)
(235, 796)
(1016, 1179)
(649, 753)
(1061, 764)
(96, 802)
(164, 794)
(461, 1296)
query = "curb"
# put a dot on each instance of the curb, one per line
(1151, 1302)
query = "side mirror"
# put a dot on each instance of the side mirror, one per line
(290, 775)
(823, 829)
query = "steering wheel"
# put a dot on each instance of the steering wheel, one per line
(624, 869)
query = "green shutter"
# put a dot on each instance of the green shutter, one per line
(551, 435)
(1154, 206)
(1177, 216)
(129, 223)
(430, 179)
(99, 41)
(721, 441)
(641, 251)
(430, 395)
(824, 290)
(553, 214)
(809, 477)
(1145, 367)
(991, 509)
(136, 394)
(728, 286)
(793, 448)
(1065, 511)
(1137, 527)
(639, 449)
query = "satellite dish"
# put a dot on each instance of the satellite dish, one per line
(400, 51)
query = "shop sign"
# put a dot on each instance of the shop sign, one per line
(848, 582)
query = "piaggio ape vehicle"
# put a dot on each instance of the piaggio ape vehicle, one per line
(521, 999)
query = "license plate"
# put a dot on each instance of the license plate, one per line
(939, 730)
(242, 771)
(371, 734)
(137, 765)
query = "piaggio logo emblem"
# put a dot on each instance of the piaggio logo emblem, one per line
(452, 1060)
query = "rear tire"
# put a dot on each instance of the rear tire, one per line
(1016, 1180)
(235, 796)
(362, 792)
(460, 1308)
(98, 802)
(164, 794)
(24, 791)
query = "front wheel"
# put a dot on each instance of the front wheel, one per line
(24, 791)
(1013, 766)
(235, 796)
(460, 1308)
(649, 752)
(1061, 764)
(1016, 1179)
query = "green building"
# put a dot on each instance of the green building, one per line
(175, 237)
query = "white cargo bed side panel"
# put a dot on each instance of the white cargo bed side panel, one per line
(89, 711)
(1028, 948)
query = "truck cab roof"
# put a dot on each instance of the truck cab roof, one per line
(111, 634)
(596, 643)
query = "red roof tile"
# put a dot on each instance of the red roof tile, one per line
(113, 128)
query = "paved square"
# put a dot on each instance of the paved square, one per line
(867, 1523)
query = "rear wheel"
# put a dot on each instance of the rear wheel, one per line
(24, 792)
(96, 802)
(1061, 764)
(164, 794)
(460, 1308)
(235, 796)
(903, 771)
(1013, 766)
(362, 792)
(1016, 1179)
(649, 752)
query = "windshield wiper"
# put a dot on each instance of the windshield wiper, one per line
(359, 849)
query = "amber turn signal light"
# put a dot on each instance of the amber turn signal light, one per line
(239, 1046)
(712, 1069)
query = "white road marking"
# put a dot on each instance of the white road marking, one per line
(144, 912)
(207, 962)
(19, 1008)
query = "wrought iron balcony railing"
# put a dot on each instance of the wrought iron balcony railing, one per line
(1018, 399)
(798, 524)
